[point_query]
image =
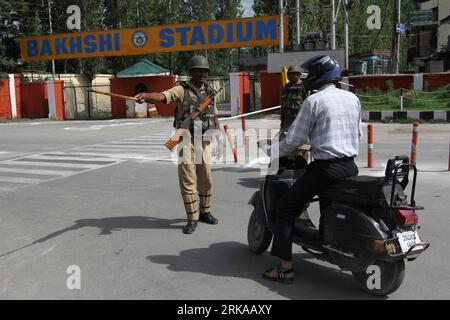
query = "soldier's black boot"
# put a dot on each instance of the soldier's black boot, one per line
(208, 218)
(190, 227)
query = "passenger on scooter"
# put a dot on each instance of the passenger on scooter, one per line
(331, 120)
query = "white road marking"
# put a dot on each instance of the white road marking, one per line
(38, 172)
(21, 180)
(50, 164)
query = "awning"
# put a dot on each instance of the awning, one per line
(143, 68)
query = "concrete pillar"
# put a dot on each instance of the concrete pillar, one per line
(51, 99)
(12, 95)
(418, 81)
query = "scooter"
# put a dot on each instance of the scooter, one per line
(367, 225)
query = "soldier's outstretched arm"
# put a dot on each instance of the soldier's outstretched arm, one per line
(150, 97)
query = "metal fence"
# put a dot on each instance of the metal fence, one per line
(80, 104)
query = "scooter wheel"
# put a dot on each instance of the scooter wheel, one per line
(390, 274)
(259, 236)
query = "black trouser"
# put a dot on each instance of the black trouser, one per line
(318, 176)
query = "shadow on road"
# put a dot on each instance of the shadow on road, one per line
(110, 224)
(252, 183)
(233, 259)
(235, 168)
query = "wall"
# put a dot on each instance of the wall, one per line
(270, 89)
(432, 81)
(75, 79)
(382, 82)
(443, 32)
(245, 92)
(444, 9)
(271, 93)
(239, 93)
(34, 100)
(126, 86)
(277, 60)
(18, 84)
(101, 102)
(5, 101)
(59, 99)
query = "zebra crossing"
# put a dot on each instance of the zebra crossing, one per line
(39, 168)
(44, 167)
(149, 148)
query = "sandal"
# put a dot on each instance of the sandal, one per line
(281, 275)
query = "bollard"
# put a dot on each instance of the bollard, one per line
(231, 141)
(247, 151)
(370, 145)
(448, 154)
(244, 129)
(415, 140)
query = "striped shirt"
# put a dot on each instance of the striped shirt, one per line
(331, 120)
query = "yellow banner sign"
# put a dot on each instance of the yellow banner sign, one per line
(245, 32)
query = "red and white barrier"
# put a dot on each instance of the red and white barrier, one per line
(415, 140)
(244, 129)
(370, 154)
(231, 141)
(448, 154)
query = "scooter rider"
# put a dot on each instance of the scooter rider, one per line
(331, 120)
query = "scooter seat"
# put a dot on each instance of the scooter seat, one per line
(363, 190)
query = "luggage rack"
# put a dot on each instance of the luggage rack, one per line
(395, 170)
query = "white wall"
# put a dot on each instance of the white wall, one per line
(444, 9)
(443, 32)
(277, 60)
(429, 4)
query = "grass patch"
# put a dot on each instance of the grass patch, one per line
(412, 100)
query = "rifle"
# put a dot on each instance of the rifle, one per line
(112, 94)
(186, 124)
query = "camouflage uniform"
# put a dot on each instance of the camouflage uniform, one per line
(194, 176)
(291, 101)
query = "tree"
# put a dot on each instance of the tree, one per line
(20, 18)
(17, 19)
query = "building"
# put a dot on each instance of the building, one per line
(431, 25)
(371, 62)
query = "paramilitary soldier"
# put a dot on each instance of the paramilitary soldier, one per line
(292, 98)
(194, 174)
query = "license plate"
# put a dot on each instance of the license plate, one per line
(408, 239)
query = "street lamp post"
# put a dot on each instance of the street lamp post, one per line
(281, 7)
(50, 3)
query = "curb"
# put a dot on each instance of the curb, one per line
(412, 115)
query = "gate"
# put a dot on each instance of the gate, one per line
(80, 104)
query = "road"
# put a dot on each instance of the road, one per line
(103, 196)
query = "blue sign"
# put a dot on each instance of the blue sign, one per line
(400, 28)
